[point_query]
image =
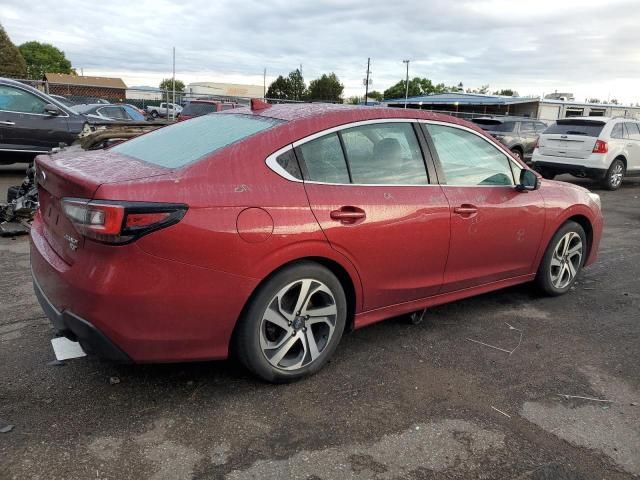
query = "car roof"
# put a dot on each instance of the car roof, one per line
(591, 119)
(512, 118)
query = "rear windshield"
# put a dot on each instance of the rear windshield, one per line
(494, 125)
(185, 142)
(575, 127)
(196, 109)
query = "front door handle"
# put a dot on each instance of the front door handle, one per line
(348, 215)
(465, 209)
(7, 123)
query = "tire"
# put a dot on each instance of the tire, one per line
(154, 114)
(547, 174)
(276, 344)
(614, 176)
(517, 153)
(563, 260)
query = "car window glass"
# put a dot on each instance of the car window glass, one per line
(16, 100)
(324, 160)
(384, 153)
(227, 106)
(467, 159)
(540, 127)
(632, 130)
(617, 131)
(527, 128)
(289, 163)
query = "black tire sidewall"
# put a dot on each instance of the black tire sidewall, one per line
(247, 338)
(543, 277)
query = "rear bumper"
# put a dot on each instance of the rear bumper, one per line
(575, 170)
(68, 324)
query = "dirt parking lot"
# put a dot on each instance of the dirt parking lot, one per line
(397, 401)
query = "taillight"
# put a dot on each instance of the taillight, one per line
(120, 222)
(600, 147)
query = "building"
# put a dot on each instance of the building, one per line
(144, 93)
(470, 105)
(78, 86)
(214, 89)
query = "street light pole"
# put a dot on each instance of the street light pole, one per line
(173, 84)
(366, 82)
(406, 92)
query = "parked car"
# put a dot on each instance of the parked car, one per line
(32, 122)
(115, 112)
(195, 108)
(164, 110)
(601, 148)
(267, 232)
(518, 134)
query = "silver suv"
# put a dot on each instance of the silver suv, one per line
(605, 149)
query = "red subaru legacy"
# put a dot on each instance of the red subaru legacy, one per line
(268, 231)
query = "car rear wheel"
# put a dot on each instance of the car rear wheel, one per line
(547, 174)
(517, 153)
(562, 260)
(614, 176)
(293, 324)
(154, 114)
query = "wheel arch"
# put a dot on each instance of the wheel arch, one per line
(586, 225)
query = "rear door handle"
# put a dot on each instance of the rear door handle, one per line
(348, 215)
(465, 209)
(7, 123)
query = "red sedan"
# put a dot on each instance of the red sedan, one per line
(269, 231)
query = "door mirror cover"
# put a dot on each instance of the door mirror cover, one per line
(528, 180)
(51, 109)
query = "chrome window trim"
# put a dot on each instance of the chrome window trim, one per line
(25, 151)
(272, 163)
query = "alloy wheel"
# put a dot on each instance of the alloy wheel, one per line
(566, 260)
(298, 324)
(615, 178)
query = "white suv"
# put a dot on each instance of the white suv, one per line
(605, 149)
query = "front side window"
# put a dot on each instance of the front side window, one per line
(467, 159)
(324, 160)
(384, 153)
(196, 109)
(184, 142)
(17, 100)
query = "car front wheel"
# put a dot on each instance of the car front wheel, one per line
(293, 323)
(562, 260)
(613, 178)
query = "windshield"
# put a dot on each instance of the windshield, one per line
(491, 125)
(185, 142)
(575, 127)
(196, 109)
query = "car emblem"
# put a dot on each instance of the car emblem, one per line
(73, 242)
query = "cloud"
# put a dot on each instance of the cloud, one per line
(588, 47)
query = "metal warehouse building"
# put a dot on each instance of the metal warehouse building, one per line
(469, 105)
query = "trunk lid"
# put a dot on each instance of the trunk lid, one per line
(78, 174)
(570, 138)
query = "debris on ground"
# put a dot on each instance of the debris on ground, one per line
(500, 411)
(114, 380)
(567, 397)
(510, 352)
(5, 427)
(22, 202)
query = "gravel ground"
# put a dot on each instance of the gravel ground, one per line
(397, 401)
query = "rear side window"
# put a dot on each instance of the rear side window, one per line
(575, 127)
(491, 125)
(289, 163)
(185, 142)
(632, 131)
(618, 131)
(324, 160)
(386, 154)
(196, 109)
(527, 128)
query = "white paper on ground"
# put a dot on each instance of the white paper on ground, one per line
(66, 349)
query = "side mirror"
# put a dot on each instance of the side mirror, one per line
(51, 109)
(528, 181)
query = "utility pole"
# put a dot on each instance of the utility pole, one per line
(366, 82)
(173, 81)
(264, 84)
(406, 92)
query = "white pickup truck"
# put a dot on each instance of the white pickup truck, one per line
(163, 110)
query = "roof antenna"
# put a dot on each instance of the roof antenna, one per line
(257, 104)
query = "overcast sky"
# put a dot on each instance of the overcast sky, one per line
(588, 47)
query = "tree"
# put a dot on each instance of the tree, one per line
(417, 86)
(376, 95)
(297, 85)
(44, 58)
(167, 84)
(327, 88)
(614, 101)
(354, 100)
(484, 89)
(12, 62)
(279, 89)
(506, 92)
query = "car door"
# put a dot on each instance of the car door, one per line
(24, 124)
(368, 187)
(632, 134)
(495, 229)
